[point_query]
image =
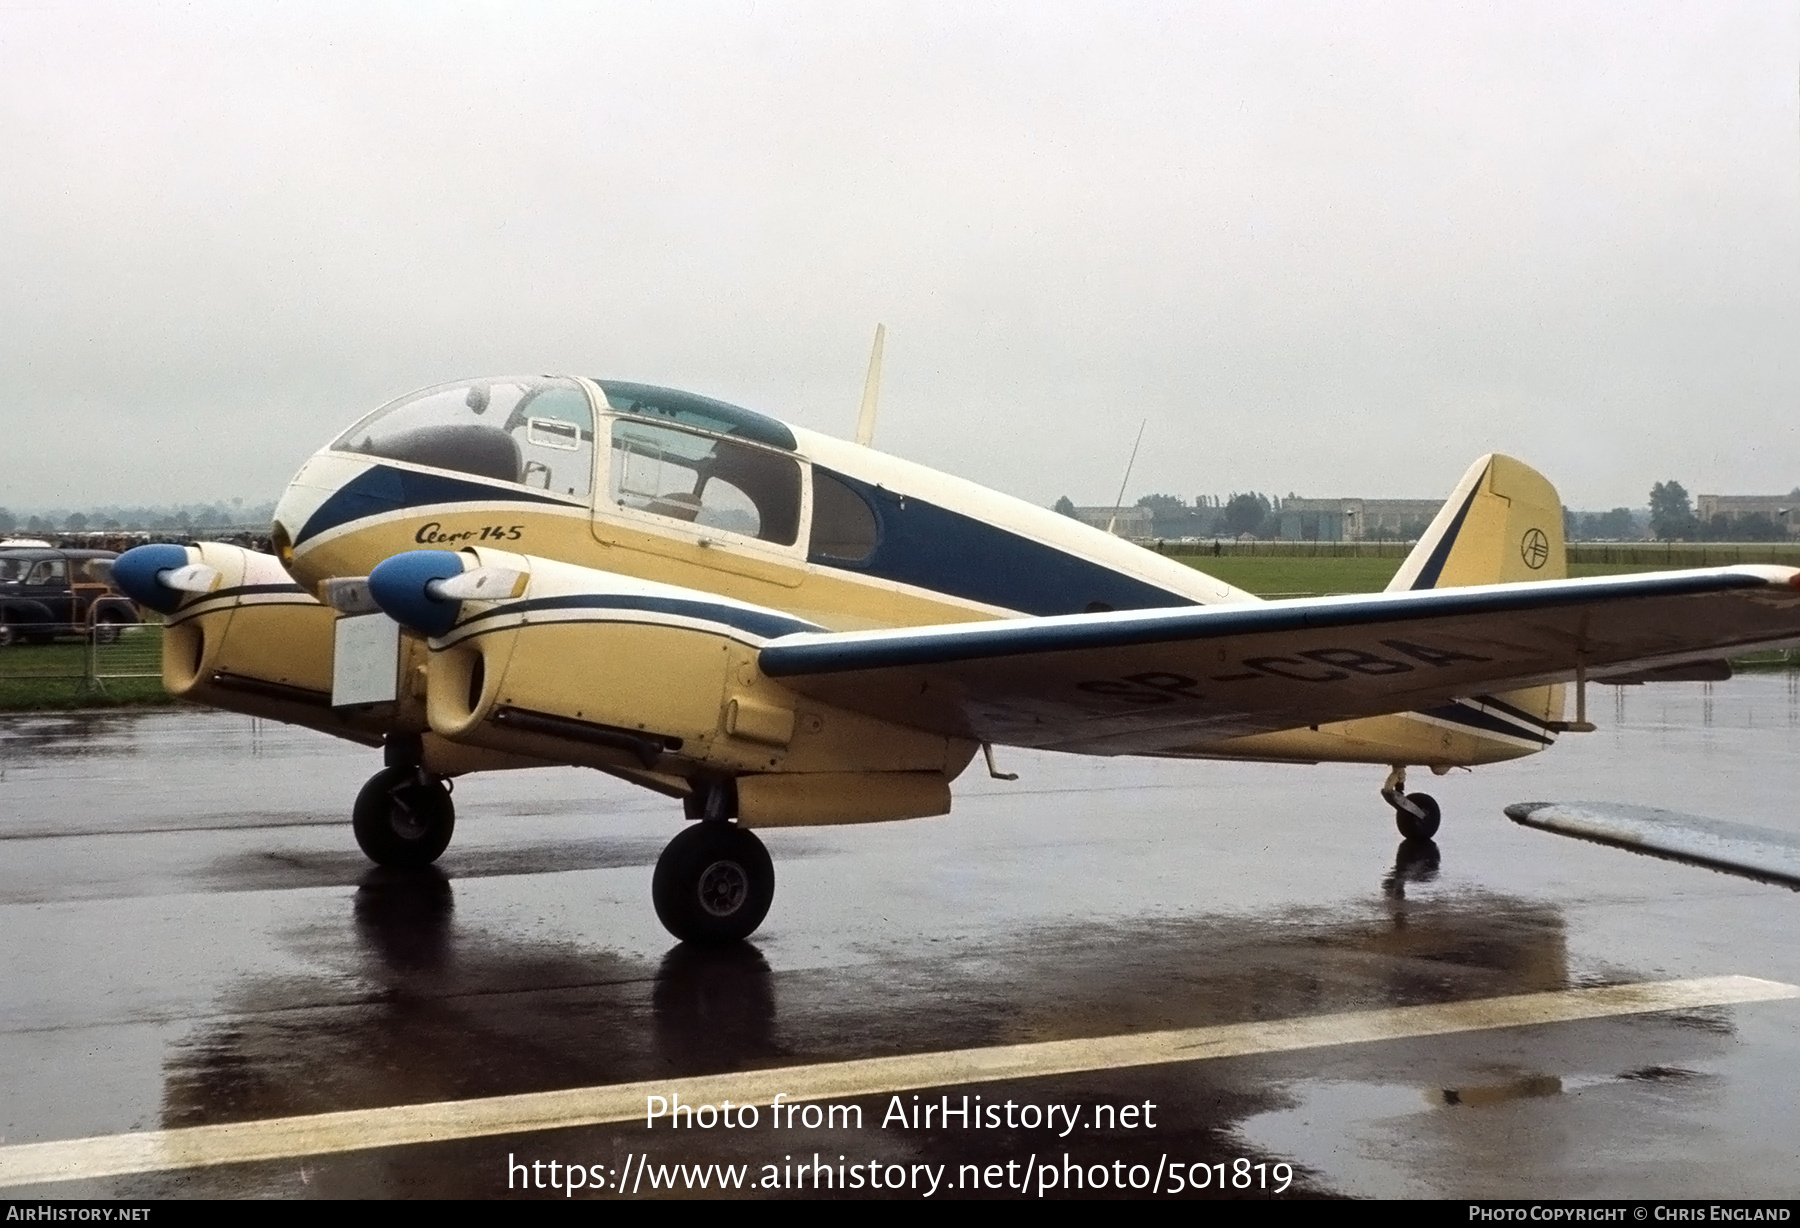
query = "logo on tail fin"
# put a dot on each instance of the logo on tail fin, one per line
(1534, 548)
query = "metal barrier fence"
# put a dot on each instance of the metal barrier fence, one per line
(89, 656)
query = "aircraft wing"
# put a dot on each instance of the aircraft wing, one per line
(1144, 681)
(1758, 853)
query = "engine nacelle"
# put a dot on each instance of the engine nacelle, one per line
(652, 681)
(241, 635)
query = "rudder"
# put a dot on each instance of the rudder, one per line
(1501, 525)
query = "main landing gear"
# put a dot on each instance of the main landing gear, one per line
(1415, 814)
(714, 882)
(404, 816)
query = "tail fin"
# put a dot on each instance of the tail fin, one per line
(1502, 524)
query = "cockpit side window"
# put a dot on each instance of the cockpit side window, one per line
(705, 480)
(533, 432)
(843, 524)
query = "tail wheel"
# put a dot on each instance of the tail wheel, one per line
(402, 820)
(713, 883)
(1421, 826)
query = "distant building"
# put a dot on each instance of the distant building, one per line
(1783, 510)
(1353, 520)
(1134, 522)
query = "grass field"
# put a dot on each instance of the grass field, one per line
(44, 694)
(1289, 576)
(1295, 576)
(55, 676)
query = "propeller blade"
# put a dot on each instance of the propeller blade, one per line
(480, 584)
(193, 578)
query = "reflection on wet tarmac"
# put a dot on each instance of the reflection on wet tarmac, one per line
(1415, 861)
(453, 1013)
(1500, 1093)
(403, 919)
(192, 938)
(713, 1008)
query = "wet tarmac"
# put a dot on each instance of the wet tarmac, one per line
(189, 936)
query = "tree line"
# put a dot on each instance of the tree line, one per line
(1250, 512)
(1671, 518)
(177, 518)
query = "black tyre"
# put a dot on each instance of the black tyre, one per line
(713, 884)
(106, 630)
(401, 821)
(9, 635)
(1419, 827)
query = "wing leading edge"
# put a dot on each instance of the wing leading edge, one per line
(1154, 680)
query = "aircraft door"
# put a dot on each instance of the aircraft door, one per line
(678, 492)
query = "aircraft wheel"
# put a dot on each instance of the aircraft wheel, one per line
(713, 883)
(400, 821)
(1415, 827)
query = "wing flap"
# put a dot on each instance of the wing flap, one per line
(1149, 680)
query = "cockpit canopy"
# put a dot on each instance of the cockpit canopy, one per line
(669, 454)
(535, 431)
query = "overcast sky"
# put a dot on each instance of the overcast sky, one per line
(1331, 249)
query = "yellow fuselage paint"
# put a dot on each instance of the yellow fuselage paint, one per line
(1506, 503)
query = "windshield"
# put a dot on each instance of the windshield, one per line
(532, 431)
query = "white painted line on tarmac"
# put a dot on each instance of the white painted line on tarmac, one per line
(317, 1134)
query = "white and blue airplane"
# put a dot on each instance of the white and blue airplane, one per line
(777, 627)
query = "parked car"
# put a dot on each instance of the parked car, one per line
(45, 592)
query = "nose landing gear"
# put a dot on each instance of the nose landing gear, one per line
(1415, 814)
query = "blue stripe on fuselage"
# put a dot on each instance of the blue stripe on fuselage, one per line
(382, 489)
(765, 624)
(931, 547)
(1484, 722)
(919, 544)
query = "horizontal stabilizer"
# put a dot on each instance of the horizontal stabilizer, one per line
(1688, 671)
(1730, 848)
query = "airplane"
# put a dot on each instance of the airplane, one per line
(776, 627)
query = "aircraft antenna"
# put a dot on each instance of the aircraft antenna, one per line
(865, 421)
(1114, 518)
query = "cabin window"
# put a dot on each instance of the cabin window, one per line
(531, 432)
(704, 480)
(843, 523)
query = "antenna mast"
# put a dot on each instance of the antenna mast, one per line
(1114, 518)
(865, 421)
